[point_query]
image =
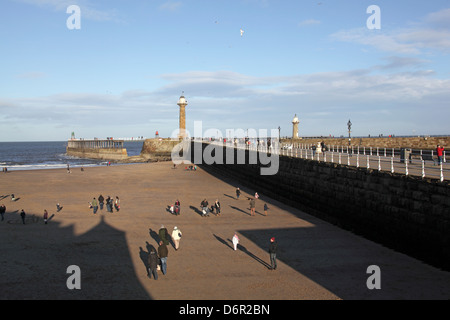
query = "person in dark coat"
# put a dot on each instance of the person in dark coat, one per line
(217, 207)
(153, 264)
(163, 235)
(273, 254)
(101, 201)
(2, 211)
(23, 215)
(163, 253)
(238, 193)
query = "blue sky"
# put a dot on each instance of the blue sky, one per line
(122, 73)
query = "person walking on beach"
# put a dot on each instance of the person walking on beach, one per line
(117, 204)
(238, 193)
(177, 207)
(58, 207)
(68, 168)
(163, 235)
(265, 209)
(273, 254)
(23, 215)
(2, 211)
(163, 253)
(176, 237)
(108, 204)
(45, 216)
(205, 209)
(217, 206)
(94, 205)
(440, 154)
(252, 206)
(153, 264)
(101, 201)
(235, 241)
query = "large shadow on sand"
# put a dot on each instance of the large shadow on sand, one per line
(335, 259)
(35, 257)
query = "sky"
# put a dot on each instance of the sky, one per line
(116, 68)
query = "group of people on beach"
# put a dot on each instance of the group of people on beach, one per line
(110, 204)
(252, 202)
(157, 260)
(214, 209)
(23, 214)
(272, 250)
(175, 208)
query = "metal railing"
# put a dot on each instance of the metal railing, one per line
(423, 163)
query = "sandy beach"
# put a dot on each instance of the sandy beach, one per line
(316, 260)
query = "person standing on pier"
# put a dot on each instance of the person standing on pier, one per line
(440, 153)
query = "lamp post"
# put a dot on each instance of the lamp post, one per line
(279, 134)
(349, 125)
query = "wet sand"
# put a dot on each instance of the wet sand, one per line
(316, 260)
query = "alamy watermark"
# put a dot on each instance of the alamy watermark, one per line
(241, 146)
(374, 21)
(74, 21)
(74, 281)
(374, 281)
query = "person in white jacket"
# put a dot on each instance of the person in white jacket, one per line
(235, 241)
(176, 236)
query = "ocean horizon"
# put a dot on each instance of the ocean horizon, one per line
(38, 155)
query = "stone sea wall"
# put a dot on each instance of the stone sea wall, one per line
(406, 213)
(102, 153)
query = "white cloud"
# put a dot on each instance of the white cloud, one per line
(432, 33)
(440, 18)
(170, 6)
(31, 75)
(226, 100)
(308, 22)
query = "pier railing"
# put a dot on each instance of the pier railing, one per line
(415, 162)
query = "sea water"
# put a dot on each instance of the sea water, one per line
(50, 155)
